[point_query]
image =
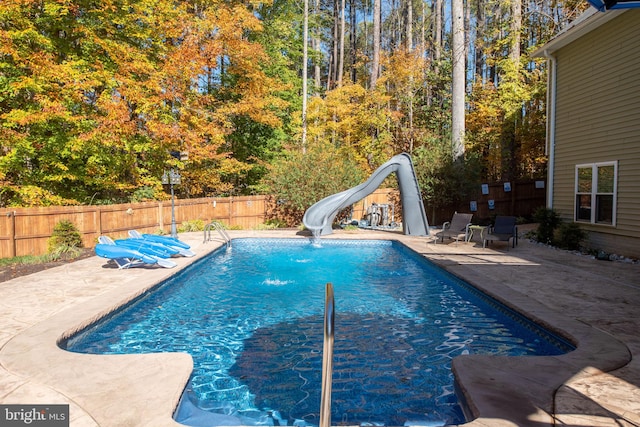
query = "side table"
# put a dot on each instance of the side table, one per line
(481, 228)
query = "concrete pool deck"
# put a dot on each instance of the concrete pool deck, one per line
(596, 303)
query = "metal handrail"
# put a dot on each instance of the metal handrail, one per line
(327, 357)
(219, 228)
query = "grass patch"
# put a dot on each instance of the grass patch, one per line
(27, 260)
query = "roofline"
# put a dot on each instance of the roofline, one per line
(585, 23)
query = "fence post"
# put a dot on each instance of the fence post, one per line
(512, 207)
(12, 233)
(161, 215)
(98, 221)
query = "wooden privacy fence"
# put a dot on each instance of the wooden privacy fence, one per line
(26, 231)
(519, 198)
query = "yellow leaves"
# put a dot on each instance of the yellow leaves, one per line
(56, 9)
(354, 118)
(232, 20)
(106, 89)
(32, 196)
(17, 117)
(404, 68)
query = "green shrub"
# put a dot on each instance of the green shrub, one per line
(569, 236)
(143, 194)
(443, 181)
(272, 224)
(192, 225)
(548, 220)
(298, 180)
(65, 240)
(265, 226)
(221, 224)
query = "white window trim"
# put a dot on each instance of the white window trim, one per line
(594, 189)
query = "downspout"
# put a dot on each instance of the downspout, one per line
(551, 124)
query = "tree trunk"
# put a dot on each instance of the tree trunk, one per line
(375, 61)
(423, 28)
(514, 56)
(467, 34)
(316, 47)
(409, 26)
(458, 79)
(479, 42)
(411, 94)
(353, 39)
(305, 55)
(437, 35)
(516, 28)
(342, 27)
(333, 63)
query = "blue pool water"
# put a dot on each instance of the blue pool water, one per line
(252, 318)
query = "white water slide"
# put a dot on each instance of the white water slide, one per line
(319, 217)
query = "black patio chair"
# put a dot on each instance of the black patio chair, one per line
(504, 229)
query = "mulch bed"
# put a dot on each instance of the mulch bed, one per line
(18, 270)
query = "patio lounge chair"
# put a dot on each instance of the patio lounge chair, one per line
(504, 229)
(155, 252)
(123, 257)
(456, 229)
(171, 242)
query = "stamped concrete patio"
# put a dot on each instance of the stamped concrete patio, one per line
(595, 303)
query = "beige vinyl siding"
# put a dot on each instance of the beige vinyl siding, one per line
(598, 120)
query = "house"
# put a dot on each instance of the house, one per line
(593, 127)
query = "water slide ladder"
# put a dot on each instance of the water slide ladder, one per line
(215, 225)
(327, 357)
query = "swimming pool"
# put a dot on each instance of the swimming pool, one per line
(252, 319)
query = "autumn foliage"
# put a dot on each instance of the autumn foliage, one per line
(98, 99)
(94, 96)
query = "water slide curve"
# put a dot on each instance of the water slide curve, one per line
(319, 217)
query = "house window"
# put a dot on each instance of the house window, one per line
(596, 186)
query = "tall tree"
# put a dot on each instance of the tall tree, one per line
(353, 41)
(305, 72)
(409, 25)
(437, 33)
(342, 37)
(316, 45)
(515, 31)
(377, 27)
(458, 79)
(332, 77)
(479, 39)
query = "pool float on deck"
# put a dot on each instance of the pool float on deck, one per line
(182, 248)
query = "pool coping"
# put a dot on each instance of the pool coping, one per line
(108, 390)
